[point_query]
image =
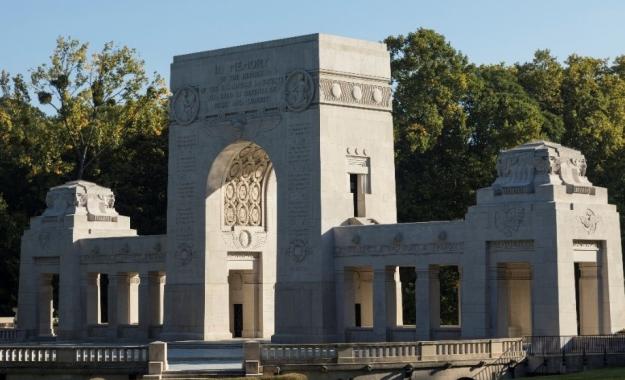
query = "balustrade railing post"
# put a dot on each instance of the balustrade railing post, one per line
(344, 353)
(251, 357)
(428, 351)
(65, 355)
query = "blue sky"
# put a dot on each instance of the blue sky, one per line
(487, 31)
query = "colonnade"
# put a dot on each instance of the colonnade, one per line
(131, 308)
(371, 298)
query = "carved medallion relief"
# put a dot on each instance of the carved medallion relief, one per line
(186, 105)
(509, 220)
(589, 221)
(299, 90)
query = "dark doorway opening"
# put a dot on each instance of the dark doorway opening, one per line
(358, 315)
(238, 320)
(104, 298)
(353, 188)
(577, 297)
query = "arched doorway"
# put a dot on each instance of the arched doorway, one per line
(241, 226)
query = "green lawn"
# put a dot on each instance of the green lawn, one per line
(600, 374)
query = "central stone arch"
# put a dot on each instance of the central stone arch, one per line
(241, 219)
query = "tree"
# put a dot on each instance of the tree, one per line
(431, 80)
(107, 121)
(98, 101)
(542, 79)
(593, 94)
(501, 115)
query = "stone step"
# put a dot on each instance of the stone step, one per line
(192, 375)
(205, 359)
(187, 354)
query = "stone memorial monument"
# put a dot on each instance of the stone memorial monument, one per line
(281, 223)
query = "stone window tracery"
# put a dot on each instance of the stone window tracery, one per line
(244, 187)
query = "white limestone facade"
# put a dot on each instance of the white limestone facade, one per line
(282, 223)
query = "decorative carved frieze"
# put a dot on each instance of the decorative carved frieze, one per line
(242, 126)
(400, 248)
(47, 260)
(244, 239)
(124, 255)
(511, 245)
(586, 245)
(355, 93)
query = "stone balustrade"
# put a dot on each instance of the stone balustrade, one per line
(27, 355)
(10, 335)
(132, 357)
(387, 352)
(298, 353)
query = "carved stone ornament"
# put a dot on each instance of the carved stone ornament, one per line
(355, 93)
(44, 239)
(244, 239)
(589, 221)
(398, 239)
(244, 187)
(509, 220)
(299, 90)
(521, 169)
(184, 254)
(298, 250)
(80, 198)
(186, 105)
(242, 126)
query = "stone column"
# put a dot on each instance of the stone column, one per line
(350, 298)
(493, 304)
(92, 291)
(250, 304)
(399, 303)
(342, 302)
(435, 298)
(589, 306)
(156, 290)
(123, 299)
(144, 303)
(380, 316)
(391, 278)
(113, 304)
(45, 305)
(422, 303)
(133, 298)
(502, 315)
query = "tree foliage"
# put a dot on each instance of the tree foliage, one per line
(97, 117)
(99, 100)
